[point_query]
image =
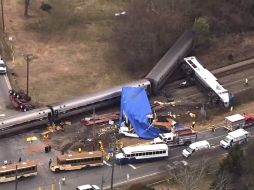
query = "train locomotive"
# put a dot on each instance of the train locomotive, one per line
(54, 112)
(216, 92)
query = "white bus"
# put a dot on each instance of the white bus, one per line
(141, 153)
(76, 161)
(24, 169)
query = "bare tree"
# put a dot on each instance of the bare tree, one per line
(222, 182)
(27, 2)
(189, 177)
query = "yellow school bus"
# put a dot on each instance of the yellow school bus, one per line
(24, 169)
(76, 161)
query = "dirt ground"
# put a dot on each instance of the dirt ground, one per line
(66, 63)
(76, 59)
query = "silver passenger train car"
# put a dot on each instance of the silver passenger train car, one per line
(169, 62)
(24, 120)
(94, 100)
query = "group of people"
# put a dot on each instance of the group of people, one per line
(10, 162)
(212, 128)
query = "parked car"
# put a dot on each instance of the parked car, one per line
(88, 187)
(2, 67)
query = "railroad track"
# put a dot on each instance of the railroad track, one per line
(230, 69)
(191, 93)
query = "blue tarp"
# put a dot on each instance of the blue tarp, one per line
(135, 106)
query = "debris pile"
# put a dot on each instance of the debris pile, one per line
(100, 119)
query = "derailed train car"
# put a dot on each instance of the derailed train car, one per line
(24, 120)
(170, 61)
(94, 100)
(152, 83)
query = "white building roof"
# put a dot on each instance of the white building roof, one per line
(234, 118)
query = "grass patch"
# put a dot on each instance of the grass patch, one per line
(72, 19)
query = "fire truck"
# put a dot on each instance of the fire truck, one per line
(184, 136)
(238, 121)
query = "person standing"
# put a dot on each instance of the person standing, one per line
(50, 162)
(63, 180)
(19, 159)
(193, 124)
(213, 129)
(246, 82)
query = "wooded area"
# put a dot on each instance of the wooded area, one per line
(151, 27)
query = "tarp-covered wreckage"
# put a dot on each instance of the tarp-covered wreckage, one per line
(136, 114)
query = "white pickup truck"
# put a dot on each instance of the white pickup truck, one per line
(238, 136)
(177, 138)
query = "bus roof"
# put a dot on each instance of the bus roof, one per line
(144, 147)
(19, 165)
(76, 155)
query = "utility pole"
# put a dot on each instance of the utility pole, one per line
(28, 59)
(2, 8)
(93, 128)
(16, 178)
(113, 161)
(102, 182)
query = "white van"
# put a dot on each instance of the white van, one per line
(238, 136)
(196, 146)
(88, 187)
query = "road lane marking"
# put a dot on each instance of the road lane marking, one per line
(215, 137)
(7, 82)
(134, 179)
(133, 167)
(106, 163)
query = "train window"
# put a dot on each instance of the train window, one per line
(192, 64)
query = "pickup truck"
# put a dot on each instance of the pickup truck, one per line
(176, 138)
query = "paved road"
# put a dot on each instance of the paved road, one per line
(4, 97)
(13, 148)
